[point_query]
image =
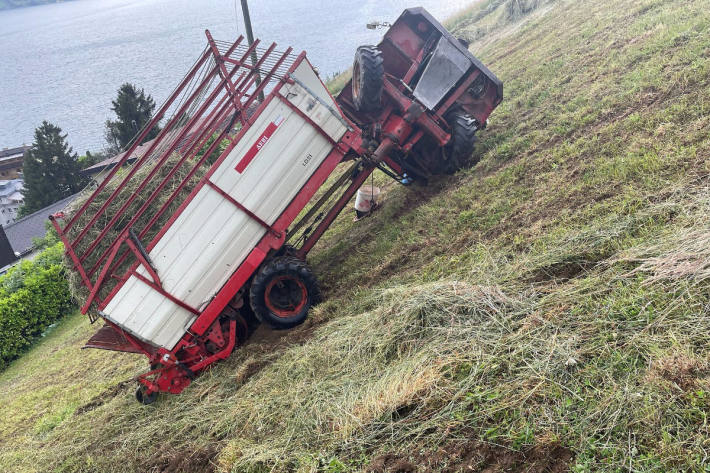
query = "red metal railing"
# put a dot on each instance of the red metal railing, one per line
(212, 100)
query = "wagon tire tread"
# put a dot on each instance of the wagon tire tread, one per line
(282, 265)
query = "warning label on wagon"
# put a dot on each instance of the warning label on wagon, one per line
(258, 144)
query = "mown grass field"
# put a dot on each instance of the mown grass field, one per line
(547, 310)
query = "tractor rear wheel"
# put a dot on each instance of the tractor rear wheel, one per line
(283, 291)
(458, 153)
(368, 79)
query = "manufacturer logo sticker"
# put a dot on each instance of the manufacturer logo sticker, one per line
(258, 144)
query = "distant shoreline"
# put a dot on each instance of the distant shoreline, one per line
(13, 4)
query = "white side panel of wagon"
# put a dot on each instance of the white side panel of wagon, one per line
(212, 237)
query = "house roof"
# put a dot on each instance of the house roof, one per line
(8, 188)
(13, 153)
(142, 149)
(111, 162)
(21, 233)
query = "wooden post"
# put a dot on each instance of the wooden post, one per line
(250, 39)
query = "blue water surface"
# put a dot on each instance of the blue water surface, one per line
(64, 62)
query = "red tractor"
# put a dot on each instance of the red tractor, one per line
(418, 98)
(420, 95)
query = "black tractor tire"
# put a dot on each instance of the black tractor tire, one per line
(283, 291)
(459, 150)
(368, 79)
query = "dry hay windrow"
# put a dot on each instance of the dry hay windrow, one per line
(689, 258)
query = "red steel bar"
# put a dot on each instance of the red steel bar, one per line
(158, 116)
(424, 120)
(165, 293)
(267, 78)
(254, 76)
(165, 180)
(70, 250)
(241, 207)
(144, 262)
(254, 71)
(155, 169)
(102, 275)
(334, 212)
(243, 86)
(225, 110)
(223, 70)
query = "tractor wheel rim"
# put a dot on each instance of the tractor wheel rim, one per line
(286, 296)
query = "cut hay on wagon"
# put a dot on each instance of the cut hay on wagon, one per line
(111, 231)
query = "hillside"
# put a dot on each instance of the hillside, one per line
(547, 310)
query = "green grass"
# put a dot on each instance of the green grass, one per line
(547, 307)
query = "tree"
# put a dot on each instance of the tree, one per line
(89, 159)
(133, 109)
(50, 170)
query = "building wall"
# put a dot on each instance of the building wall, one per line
(10, 200)
(11, 169)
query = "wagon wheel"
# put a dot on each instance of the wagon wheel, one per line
(368, 79)
(458, 153)
(283, 291)
(145, 397)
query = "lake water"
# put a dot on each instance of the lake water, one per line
(64, 62)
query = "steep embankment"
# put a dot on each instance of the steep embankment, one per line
(546, 310)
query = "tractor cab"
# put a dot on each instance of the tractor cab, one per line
(421, 96)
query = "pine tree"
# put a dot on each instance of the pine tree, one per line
(133, 109)
(50, 170)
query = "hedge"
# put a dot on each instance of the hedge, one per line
(33, 295)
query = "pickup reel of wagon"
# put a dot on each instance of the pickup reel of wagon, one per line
(183, 253)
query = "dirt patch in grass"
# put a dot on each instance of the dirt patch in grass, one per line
(266, 339)
(103, 397)
(265, 345)
(475, 456)
(563, 271)
(199, 461)
(680, 369)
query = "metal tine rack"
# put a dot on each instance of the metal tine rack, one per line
(212, 102)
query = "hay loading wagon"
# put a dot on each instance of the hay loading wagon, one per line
(209, 229)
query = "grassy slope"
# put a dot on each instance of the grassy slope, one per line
(552, 301)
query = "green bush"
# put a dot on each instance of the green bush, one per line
(14, 279)
(33, 295)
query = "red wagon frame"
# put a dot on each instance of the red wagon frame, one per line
(234, 101)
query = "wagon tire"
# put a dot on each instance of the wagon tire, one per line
(283, 291)
(143, 397)
(459, 150)
(368, 79)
